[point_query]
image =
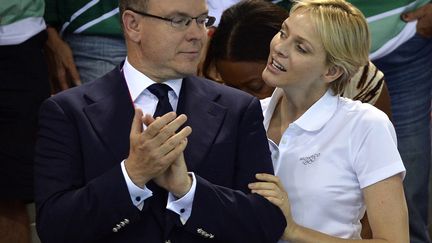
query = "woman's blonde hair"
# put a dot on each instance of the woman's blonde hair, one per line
(344, 34)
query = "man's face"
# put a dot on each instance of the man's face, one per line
(168, 52)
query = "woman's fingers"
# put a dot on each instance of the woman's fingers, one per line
(271, 188)
(269, 178)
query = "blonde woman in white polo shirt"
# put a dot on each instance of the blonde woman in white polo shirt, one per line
(335, 157)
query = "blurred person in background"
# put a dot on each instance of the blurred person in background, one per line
(24, 85)
(85, 40)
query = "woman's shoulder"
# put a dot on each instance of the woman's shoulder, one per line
(363, 114)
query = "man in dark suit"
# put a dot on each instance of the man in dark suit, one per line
(107, 173)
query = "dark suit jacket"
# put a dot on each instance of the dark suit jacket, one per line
(81, 194)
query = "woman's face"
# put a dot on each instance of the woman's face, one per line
(246, 76)
(297, 58)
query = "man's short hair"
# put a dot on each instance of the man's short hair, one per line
(134, 4)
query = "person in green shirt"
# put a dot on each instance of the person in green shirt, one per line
(85, 40)
(24, 85)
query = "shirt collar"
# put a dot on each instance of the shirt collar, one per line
(274, 99)
(314, 118)
(319, 113)
(137, 82)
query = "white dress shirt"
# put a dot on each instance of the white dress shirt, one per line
(142, 98)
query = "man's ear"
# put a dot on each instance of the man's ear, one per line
(333, 73)
(131, 26)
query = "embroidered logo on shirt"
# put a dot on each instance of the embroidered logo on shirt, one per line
(309, 159)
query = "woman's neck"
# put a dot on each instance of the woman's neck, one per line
(291, 106)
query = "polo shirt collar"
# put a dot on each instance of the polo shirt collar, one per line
(319, 113)
(314, 118)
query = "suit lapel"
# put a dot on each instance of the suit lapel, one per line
(110, 112)
(205, 116)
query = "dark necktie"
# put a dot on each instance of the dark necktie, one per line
(161, 92)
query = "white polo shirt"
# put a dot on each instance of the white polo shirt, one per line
(328, 155)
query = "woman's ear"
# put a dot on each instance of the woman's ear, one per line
(131, 26)
(333, 73)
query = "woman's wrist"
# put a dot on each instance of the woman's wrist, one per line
(291, 231)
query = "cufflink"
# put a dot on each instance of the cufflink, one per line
(120, 225)
(204, 234)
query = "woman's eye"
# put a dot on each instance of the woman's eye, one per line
(301, 49)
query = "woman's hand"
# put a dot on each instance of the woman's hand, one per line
(272, 189)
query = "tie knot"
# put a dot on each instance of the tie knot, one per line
(159, 90)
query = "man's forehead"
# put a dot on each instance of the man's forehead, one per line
(180, 7)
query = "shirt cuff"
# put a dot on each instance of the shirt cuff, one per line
(183, 205)
(137, 194)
